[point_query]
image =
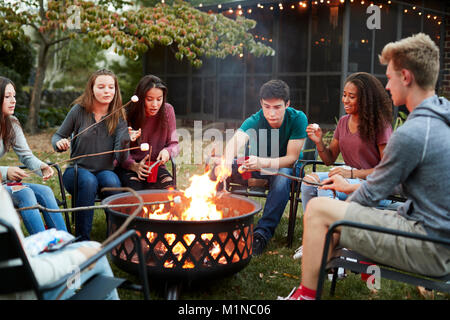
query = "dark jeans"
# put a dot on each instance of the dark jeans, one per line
(89, 184)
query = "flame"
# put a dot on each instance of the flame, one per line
(201, 195)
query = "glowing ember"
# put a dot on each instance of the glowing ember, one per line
(201, 196)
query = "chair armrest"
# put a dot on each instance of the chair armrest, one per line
(174, 171)
(400, 233)
(359, 225)
(305, 163)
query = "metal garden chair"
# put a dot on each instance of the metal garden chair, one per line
(16, 274)
(356, 262)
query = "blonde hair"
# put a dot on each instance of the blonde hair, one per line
(418, 54)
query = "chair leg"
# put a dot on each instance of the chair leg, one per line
(292, 217)
(333, 282)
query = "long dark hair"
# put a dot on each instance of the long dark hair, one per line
(86, 100)
(374, 105)
(136, 110)
(7, 133)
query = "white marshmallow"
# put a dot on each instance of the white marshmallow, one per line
(134, 98)
(145, 147)
(177, 199)
(315, 126)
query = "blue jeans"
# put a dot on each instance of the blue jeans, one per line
(32, 195)
(308, 192)
(101, 267)
(277, 198)
(89, 184)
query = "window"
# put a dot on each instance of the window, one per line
(326, 35)
(325, 99)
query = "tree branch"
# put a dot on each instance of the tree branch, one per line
(58, 41)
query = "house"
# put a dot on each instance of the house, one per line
(317, 43)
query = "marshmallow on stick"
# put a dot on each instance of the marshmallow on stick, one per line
(145, 147)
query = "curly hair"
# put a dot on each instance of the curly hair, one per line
(374, 105)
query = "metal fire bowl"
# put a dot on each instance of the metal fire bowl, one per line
(234, 234)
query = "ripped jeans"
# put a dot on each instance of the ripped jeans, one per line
(31, 195)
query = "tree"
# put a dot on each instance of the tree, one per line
(192, 34)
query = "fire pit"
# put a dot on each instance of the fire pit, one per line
(177, 250)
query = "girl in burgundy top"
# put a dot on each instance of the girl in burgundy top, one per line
(156, 121)
(361, 136)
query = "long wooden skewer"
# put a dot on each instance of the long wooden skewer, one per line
(87, 155)
(102, 206)
(96, 123)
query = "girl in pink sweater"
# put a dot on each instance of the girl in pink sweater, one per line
(157, 124)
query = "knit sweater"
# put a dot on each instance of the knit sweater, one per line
(95, 140)
(157, 136)
(22, 150)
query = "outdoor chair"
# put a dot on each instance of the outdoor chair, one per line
(309, 158)
(63, 201)
(356, 262)
(17, 275)
(248, 190)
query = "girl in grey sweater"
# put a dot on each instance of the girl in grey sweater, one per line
(24, 194)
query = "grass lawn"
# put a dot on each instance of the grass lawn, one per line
(266, 277)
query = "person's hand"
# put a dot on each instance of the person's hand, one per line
(311, 178)
(252, 163)
(134, 134)
(314, 132)
(47, 172)
(342, 171)
(164, 156)
(63, 144)
(338, 183)
(16, 174)
(141, 168)
(89, 252)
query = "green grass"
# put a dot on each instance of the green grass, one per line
(267, 276)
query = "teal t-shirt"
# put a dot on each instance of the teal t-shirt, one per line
(264, 139)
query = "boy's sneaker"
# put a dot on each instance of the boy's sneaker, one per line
(298, 253)
(259, 244)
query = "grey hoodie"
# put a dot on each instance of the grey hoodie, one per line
(417, 157)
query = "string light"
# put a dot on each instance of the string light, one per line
(303, 4)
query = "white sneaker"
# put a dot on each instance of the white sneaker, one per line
(298, 253)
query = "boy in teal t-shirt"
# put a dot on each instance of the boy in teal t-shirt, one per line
(273, 138)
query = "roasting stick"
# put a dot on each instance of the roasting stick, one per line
(143, 147)
(102, 206)
(241, 169)
(176, 199)
(118, 231)
(133, 99)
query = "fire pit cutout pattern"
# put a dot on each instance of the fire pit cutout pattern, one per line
(186, 250)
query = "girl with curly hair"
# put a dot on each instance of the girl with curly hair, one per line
(361, 136)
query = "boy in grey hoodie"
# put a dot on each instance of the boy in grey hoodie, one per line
(415, 162)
